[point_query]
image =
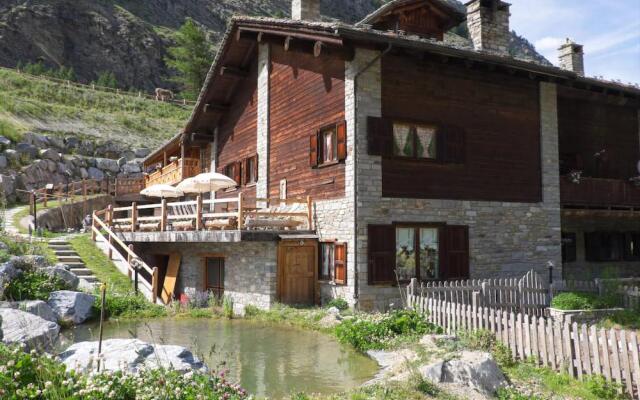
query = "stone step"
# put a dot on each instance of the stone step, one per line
(60, 246)
(68, 259)
(82, 272)
(74, 264)
(59, 243)
(65, 252)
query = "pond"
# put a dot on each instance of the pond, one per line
(267, 359)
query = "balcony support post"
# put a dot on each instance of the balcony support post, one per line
(240, 209)
(134, 216)
(163, 215)
(199, 212)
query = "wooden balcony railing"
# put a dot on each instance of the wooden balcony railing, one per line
(599, 192)
(175, 172)
(234, 213)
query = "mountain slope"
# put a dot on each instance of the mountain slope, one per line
(130, 37)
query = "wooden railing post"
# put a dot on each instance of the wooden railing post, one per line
(134, 216)
(93, 225)
(163, 215)
(154, 285)
(240, 212)
(199, 212)
(129, 260)
(109, 216)
(309, 213)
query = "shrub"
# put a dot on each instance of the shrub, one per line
(627, 319)
(378, 332)
(4, 256)
(340, 304)
(33, 285)
(130, 306)
(604, 389)
(583, 301)
(227, 307)
(33, 375)
(251, 311)
(484, 340)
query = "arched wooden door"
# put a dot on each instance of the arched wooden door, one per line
(297, 269)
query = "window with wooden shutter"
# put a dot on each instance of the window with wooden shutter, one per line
(381, 251)
(341, 133)
(237, 172)
(632, 246)
(313, 149)
(379, 136)
(250, 170)
(451, 144)
(340, 264)
(455, 252)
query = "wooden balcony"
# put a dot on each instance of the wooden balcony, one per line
(599, 193)
(174, 172)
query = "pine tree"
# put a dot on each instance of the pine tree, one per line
(190, 57)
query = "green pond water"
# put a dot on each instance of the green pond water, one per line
(268, 360)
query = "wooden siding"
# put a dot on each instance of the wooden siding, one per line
(500, 118)
(587, 127)
(306, 94)
(238, 130)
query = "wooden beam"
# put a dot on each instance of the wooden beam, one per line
(200, 138)
(287, 43)
(317, 48)
(216, 108)
(233, 72)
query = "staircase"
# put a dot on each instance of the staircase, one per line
(66, 255)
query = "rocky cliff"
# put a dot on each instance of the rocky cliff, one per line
(130, 37)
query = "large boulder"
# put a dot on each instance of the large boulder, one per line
(4, 163)
(107, 164)
(27, 151)
(62, 272)
(74, 307)
(57, 142)
(472, 369)
(8, 187)
(131, 168)
(4, 142)
(39, 141)
(95, 173)
(130, 353)
(28, 263)
(142, 153)
(22, 327)
(35, 307)
(7, 273)
(50, 154)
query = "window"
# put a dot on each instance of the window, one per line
(415, 141)
(214, 275)
(333, 262)
(632, 246)
(417, 253)
(234, 171)
(604, 246)
(251, 170)
(402, 252)
(328, 145)
(568, 247)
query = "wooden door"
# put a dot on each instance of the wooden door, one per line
(170, 279)
(297, 266)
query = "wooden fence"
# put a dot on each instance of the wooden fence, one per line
(580, 350)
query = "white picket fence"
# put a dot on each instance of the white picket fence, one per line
(579, 350)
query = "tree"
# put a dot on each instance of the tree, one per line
(190, 57)
(107, 79)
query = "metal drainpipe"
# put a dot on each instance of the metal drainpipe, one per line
(355, 168)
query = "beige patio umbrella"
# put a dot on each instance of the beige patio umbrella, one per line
(162, 191)
(206, 182)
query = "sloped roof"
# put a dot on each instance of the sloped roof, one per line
(452, 6)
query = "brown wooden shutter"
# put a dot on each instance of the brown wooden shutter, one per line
(255, 168)
(380, 136)
(341, 130)
(313, 150)
(237, 172)
(451, 146)
(245, 172)
(455, 252)
(340, 263)
(382, 254)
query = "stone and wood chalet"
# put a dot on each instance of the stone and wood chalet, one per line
(373, 153)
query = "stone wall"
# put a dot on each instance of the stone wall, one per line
(250, 269)
(71, 215)
(489, 29)
(581, 269)
(506, 239)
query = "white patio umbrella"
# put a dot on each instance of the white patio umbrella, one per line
(162, 191)
(206, 182)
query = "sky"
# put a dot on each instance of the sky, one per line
(608, 29)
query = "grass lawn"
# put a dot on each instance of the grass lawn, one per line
(415, 389)
(101, 266)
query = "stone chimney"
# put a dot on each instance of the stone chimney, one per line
(572, 57)
(488, 23)
(307, 10)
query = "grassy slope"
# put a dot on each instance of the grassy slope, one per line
(29, 103)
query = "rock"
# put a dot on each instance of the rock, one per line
(122, 161)
(107, 164)
(35, 307)
(142, 153)
(95, 173)
(12, 156)
(4, 142)
(8, 187)
(57, 142)
(475, 370)
(28, 263)
(8, 272)
(329, 321)
(86, 148)
(132, 353)
(84, 174)
(3, 162)
(22, 327)
(86, 286)
(333, 310)
(50, 154)
(71, 306)
(61, 272)
(391, 362)
(128, 155)
(38, 141)
(26, 150)
(71, 142)
(131, 168)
